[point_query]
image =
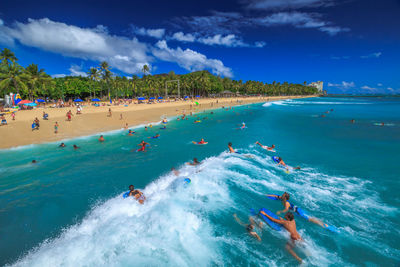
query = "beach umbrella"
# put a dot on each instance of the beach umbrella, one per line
(96, 100)
(22, 102)
(160, 97)
(40, 100)
(152, 98)
(30, 104)
(141, 98)
(186, 97)
(78, 100)
(197, 96)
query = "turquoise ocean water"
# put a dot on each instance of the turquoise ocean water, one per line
(67, 209)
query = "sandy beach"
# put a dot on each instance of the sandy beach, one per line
(95, 119)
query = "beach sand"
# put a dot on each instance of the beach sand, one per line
(95, 119)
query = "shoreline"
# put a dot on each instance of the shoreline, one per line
(94, 120)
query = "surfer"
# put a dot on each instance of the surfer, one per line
(290, 225)
(142, 146)
(251, 227)
(155, 137)
(231, 150)
(271, 148)
(201, 142)
(194, 163)
(288, 206)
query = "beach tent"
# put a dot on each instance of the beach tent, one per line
(141, 98)
(96, 100)
(40, 100)
(22, 102)
(160, 97)
(78, 100)
(152, 98)
(197, 96)
(186, 97)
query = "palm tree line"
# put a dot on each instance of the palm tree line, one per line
(32, 82)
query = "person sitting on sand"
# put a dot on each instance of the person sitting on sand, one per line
(62, 145)
(290, 225)
(194, 163)
(231, 150)
(76, 147)
(45, 116)
(101, 138)
(3, 120)
(201, 142)
(271, 148)
(251, 227)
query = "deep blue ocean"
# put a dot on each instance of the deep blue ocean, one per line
(68, 210)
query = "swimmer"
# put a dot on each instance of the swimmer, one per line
(288, 206)
(62, 145)
(101, 138)
(130, 132)
(34, 161)
(243, 125)
(382, 124)
(176, 173)
(353, 121)
(76, 147)
(201, 142)
(136, 194)
(151, 125)
(290, 225)
(231, 150)
(145, 127)
(251, 226)
(164, 120)
(271, 148)
(142, 146)
(194, 163)
(155, 137)
(163, 128)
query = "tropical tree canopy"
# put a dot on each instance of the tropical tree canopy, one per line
(32, 82)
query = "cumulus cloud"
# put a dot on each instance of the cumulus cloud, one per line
(189, 59)
(380, 84)
(155, 33)
(180, 36)
(343, 85)
(127, 55)
(372, 55)
(229, 40)
(285, 4)
(299, 20)
(366, 87)
(77, 71)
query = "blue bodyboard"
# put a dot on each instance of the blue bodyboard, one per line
(276, 159)
(126, 194)
(273, 225)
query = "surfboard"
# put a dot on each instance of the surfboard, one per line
(272, 224)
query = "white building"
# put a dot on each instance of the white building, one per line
(319, 85)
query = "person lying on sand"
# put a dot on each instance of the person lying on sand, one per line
(251, 227)
(290, 225)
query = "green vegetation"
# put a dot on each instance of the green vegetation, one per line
(32, 82)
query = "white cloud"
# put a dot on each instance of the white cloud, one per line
(155, 33)
(284, 4)
(372, 55)
(77, 71)
(365, 87)
(189, 59)
(127, 55)
(180, 36)
(1, 22)
(379, 84)
(229, 40)
(58, 75)
(299, 20)
(343, 85)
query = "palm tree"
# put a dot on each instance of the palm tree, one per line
(7, 55)
(94, 75)
(145, 69)
(13, 76)
(106, 75)
(36, 77)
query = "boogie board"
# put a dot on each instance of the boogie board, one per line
(276, 159)
(126, 194)
(298, 211)
(273, 225)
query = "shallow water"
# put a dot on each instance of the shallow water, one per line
(67, 209)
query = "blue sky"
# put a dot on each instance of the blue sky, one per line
(353, 46)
